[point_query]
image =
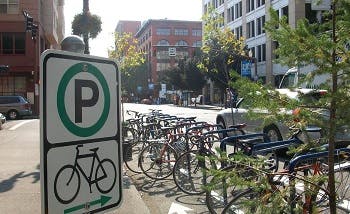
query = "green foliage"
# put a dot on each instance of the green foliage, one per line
(186, 76)
(86, 24)
(126, 53)
(221, 50)
(325, 46)
(130, 60)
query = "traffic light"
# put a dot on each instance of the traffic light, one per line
(29, 21)
(34, 31)
(4, 69)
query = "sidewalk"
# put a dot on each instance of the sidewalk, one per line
(132, 202)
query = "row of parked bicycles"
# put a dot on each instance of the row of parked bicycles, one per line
(238, 172)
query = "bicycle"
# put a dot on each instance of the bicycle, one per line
(267, 154)
(67, 180)
(295, 192)
(190, 169)
(157, 159)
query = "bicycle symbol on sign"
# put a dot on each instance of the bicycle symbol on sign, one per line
(67, 180)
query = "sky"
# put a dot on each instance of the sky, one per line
(111, 11)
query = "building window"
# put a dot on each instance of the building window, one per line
(260, 22)
(238, 9)
(284, 12)
(261, 53)
(238, 32)
(230, 14)
(221, 2)
(9, 6)
(260, 3)
(12, 43)
(163, 42)
(252, 50)
(163, 31)
(181, 54)
(197, 43)
(181, 43)
(181, 32)
(214, 3)
(250, 29)
(163, 54)
(163, 66)
(310, 14)
(250, 5)
(196, 32)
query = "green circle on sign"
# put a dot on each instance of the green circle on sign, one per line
(62, 87)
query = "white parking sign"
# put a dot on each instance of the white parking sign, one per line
(80, 133)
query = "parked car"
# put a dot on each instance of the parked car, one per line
(2, 120)
(276, 130)
(15, 107)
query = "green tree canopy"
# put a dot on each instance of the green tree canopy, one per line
(186, 76)
(221, 49)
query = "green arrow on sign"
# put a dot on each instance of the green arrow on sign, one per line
(103, 200)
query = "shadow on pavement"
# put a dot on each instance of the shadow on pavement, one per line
(8, 184)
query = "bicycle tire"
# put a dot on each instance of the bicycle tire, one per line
(154, 166)
(132, 163)
(110, 172)
(60, 188)
(130, 134)
(221, 191)
(189, 172)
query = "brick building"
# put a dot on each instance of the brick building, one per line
(125, 26)
(165, 42)
(19, 53)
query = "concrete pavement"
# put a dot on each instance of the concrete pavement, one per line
(20, 174)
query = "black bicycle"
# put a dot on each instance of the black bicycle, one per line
(67, 180)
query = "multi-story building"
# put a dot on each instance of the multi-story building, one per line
(247, 18)
(126, 26)
(165, 42)
(20, 50)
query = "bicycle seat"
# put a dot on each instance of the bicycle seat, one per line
(94, 149)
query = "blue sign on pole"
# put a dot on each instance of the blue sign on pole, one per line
(246, 68)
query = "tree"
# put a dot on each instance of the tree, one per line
(325, 45)
(221, 49)
(186, 76)
(87, 25)
(131, 62)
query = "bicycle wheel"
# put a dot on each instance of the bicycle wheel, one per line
(157, 160)
(190, 172)
(342, 188)
(130, 135)
(242, 203)
(132, 162)
(105, 176)
(67, 184)
(221, 189)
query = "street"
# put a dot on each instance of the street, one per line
(20, 170)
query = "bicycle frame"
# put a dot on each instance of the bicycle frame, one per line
(78, 167)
